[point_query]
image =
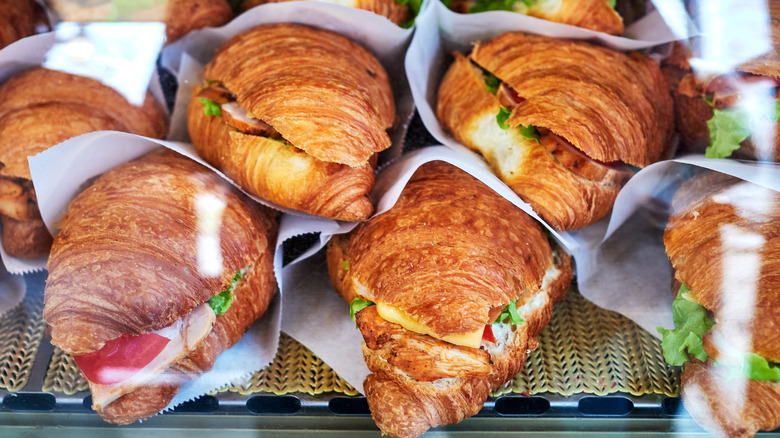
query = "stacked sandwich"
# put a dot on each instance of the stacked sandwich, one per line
(723, 239)
(449, 289)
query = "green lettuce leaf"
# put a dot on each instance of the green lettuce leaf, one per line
(728, 128)
(120, 9)
(530, 133)
(510, 312)
(491, 5)
(690, 325)
(221, 302)
(612, 3)
(414, 9)
(492, 83)
(502, 116)
(754, 367)
(356, 306)
(345, 265)
(211, 108)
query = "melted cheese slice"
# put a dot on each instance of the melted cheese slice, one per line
(393, 314)
(185, 334)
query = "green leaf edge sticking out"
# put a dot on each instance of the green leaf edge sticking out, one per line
(612, 3)
(211, 108)
(414, 10)
(728, 128)
(501, 118)
(690, 325)
(530, 133)
(356, 306)
(492, 83)
(222, 301)
(756, 367)
(120, 9)
(496, 5)
(345, 265)
(510, 312)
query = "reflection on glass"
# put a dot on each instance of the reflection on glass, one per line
(208, 209)
(120, 55)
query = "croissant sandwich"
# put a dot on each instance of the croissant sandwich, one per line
(19, 19)
(396, 11)
(558, 121)
(450, 289)
(723, 239)
(180, 16)
(598, 15)
(295, 116)
(732, 113)
(161, 265)
(40, 108)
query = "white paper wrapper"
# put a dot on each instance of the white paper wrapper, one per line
(97, 51)
(61, 172)
(441, 32)
(388, 42)
(630, 272)
(327, 330)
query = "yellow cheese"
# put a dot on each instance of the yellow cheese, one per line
(393, 314)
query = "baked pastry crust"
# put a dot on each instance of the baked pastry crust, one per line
(19, 19)
(322, 92)
(40, 108)
(709, 212)
(135, 229)
(391, 9)
(449, 252)
(622, 114)
(282, 173)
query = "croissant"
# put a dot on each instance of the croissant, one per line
(393, 10)
(19, 19)
(595, 15)
(40, 108)
(130, 271)
(723, 240)
(712, 110)
(180, 16)
(557, 120)
(295, 115)
(450, 258)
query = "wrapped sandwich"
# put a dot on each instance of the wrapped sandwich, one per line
(19, 19)
(598, 15)
(732, 112)
(180, 16)
(560, 122)
(40, 108)
(723, 239)
(450, 289)
(160, 266)
(295, 115)
(399, 12)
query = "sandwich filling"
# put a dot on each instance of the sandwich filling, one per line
(126, 363)
(692, 322)
(218, 101)
(17, 199)
(499, 317)
(732, 120)
(506, 149)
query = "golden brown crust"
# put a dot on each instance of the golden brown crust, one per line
(282, 174)
(71, 105)
(322, 92)
(25, 238)
(252, 297)
(392, 9)
(184, 16)
(131, 267)
(563, 198)
(473, 268)
(622, 112)
(711, 213)
(729, 407)
(19, 19)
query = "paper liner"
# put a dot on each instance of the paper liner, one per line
(627, 270)
(37, 51)
(388, 42)
(63, 171)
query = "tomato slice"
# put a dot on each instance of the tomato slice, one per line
(121, 358)
(487, 334)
